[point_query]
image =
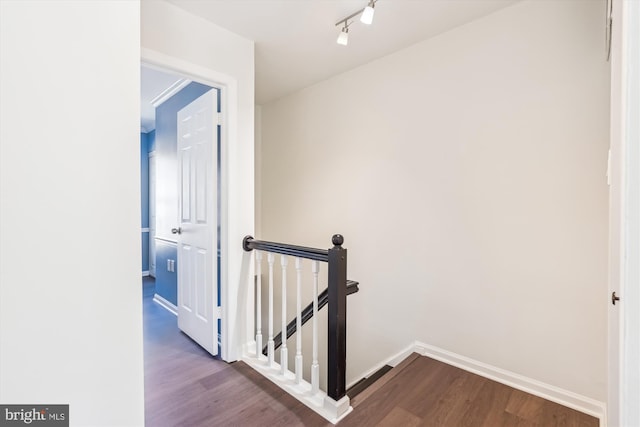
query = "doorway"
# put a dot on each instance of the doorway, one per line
(165, 95)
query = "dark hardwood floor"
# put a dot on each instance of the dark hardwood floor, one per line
(431, 393)
(185, 386)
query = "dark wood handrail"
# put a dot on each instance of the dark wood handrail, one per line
(249, 244)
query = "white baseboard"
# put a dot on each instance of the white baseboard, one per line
(529, 385)
(165, 304)
(145, 273)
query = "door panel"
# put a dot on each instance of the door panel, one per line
(197, 240)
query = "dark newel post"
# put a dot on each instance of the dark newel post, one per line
(337, 319)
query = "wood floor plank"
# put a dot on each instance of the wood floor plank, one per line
(498, 396)
(429, 395)
(524, 405)
(399, 417)
(455, 401)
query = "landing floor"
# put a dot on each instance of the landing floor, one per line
(185, 386)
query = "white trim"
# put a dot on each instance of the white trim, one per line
(145, 229)
(169, 92)
(145, 273)
(165, 304)
(231, 335)
(529, 385)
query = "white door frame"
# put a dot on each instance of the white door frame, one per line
(230, 252)
(624, 275)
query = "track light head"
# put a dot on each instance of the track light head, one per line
(367, 13)
(343, 37)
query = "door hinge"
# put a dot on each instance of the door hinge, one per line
(219, 119)
(218, 312)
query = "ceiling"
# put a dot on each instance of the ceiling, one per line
(295, 40)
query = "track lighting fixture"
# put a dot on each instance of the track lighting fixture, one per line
(366, 18)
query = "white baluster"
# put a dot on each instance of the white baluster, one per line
(284, 357)
(299, 321)
(315, 368)
(259, 304)
(270, 345)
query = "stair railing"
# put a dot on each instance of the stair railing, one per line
(307, 314)
(336, 296)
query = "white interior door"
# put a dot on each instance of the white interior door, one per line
(196, 233)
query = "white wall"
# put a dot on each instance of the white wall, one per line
(467, 174)
(70, 291)
(176, 39)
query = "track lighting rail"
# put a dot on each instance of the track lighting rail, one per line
(353, 15)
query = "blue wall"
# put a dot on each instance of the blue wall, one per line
(144, 199)
(166, 280)
(165, 146)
